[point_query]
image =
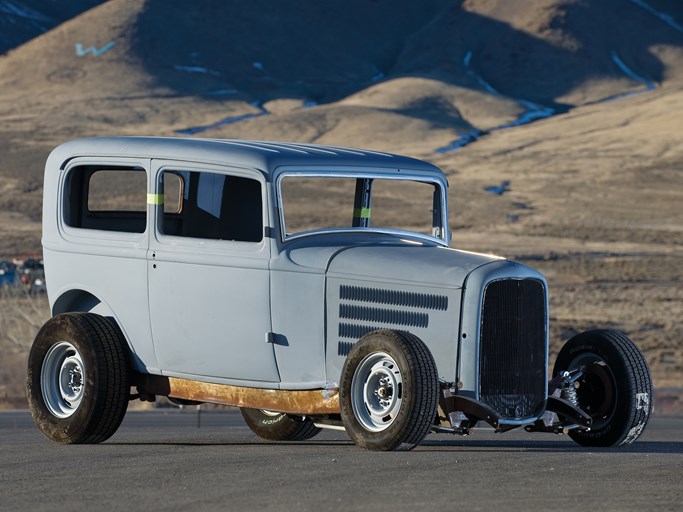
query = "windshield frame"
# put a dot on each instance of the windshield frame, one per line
(371, 173)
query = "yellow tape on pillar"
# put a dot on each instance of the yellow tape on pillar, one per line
(155, 199)
(361, 213)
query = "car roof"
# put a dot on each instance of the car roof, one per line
(262, 155)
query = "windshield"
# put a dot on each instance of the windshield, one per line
(323, 203)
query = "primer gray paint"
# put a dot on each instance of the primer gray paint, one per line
(270, 314)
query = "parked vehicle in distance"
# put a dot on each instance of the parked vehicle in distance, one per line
(311, 286)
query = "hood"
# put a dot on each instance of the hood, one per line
(408, 264)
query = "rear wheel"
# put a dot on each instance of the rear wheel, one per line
(78, 378)
(615, 388)
(278, 426)
(389, 391)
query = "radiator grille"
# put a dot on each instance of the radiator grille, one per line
(512, 353)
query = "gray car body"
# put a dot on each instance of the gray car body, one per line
(278, 314)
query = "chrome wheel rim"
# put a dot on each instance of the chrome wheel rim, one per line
(272, 414)
(62, 379)
(377, 391)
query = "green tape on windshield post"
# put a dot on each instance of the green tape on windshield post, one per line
(361, 213)
(155, 199)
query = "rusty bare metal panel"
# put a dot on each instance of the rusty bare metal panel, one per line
(309, 402)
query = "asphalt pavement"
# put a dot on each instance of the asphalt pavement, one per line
(181, 460)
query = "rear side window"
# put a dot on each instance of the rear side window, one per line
(107, 198)
(212, 206)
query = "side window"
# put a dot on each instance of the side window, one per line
(108, 198)
(212, 206)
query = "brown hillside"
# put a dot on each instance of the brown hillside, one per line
(595, 190)
(22, 20)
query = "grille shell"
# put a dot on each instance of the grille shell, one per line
(513, 348)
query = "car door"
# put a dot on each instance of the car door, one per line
(208, 263)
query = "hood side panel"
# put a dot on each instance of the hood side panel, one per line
(356, 307)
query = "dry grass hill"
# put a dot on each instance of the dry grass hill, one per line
(596, 180)
(22, 20)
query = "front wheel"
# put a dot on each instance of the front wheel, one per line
(78, 378)
(615, 387)
(389, 391)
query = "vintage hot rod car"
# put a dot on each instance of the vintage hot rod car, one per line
(311, 286)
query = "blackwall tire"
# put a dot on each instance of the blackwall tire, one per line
(389, 391)
(78, 378)
(616, 388)
(278, 426)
